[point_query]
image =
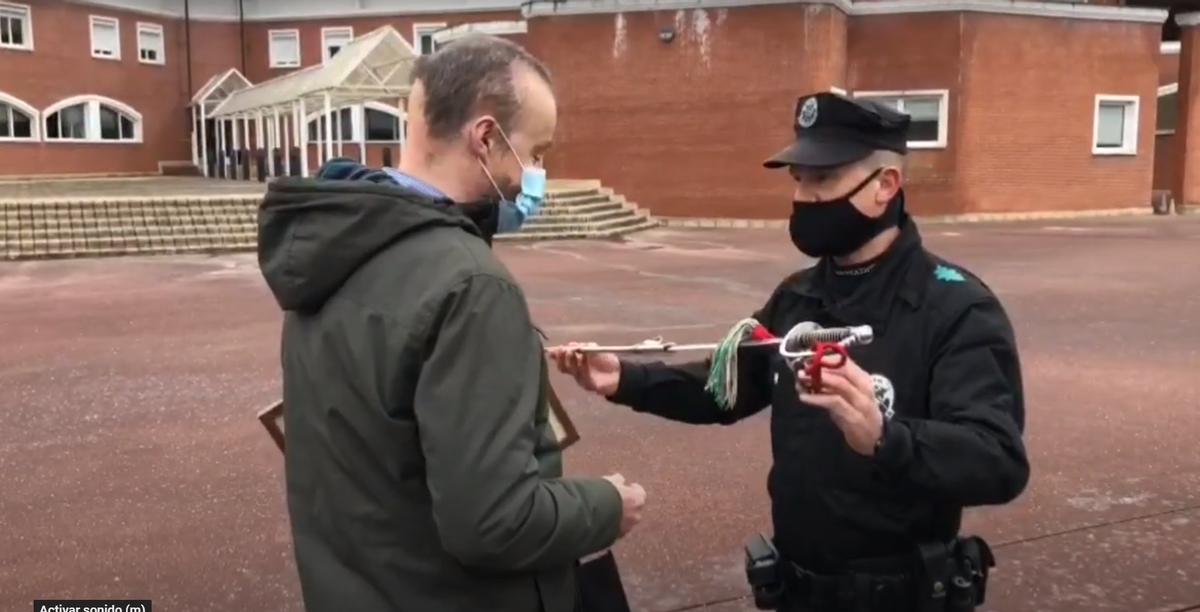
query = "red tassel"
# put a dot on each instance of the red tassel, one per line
(817, 363)
(761, 334)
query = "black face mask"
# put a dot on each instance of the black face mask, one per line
(835, 228)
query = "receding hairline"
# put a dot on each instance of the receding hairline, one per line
(478, 72)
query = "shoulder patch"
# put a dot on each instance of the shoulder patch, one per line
(948, 275)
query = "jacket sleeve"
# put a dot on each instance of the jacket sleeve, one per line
(677, 392)
(970, 451)
(476, 401)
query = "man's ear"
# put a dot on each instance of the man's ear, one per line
(889, 185)
(480, 134)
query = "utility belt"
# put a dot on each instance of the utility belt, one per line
(938, 578)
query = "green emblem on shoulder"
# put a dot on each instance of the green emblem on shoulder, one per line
(949, 275)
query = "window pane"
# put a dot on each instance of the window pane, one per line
(109, 128)
(105, 38)
(6, 30)
(381, 126)
(285, 49)
(1110, 125)
(22, 124)
(426, 44)
(5, 120)
(126, 128)
(892, 102)
(923, 131)
(923, 109)
(1167, 111)
(72, 122)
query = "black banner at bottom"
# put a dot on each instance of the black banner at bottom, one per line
(91, 605)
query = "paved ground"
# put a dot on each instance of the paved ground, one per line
(131, 464)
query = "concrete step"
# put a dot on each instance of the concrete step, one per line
(128, 231)
(581, 219)
(144, 226)
(591, 198)
(76, 246)
(118, 224)
(567, 194)
(584, 228)
(643, 223)
(582, 209)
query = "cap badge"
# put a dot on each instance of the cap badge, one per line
(808, 113)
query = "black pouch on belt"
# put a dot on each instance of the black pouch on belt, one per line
(763, 568)
(973, 561)
(937, 569)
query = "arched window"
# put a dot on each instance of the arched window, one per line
(18, 120)
(92, 119)
(383, 123)
(343, 125)
(369, 122)
(1167, 109)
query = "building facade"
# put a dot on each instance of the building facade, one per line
(1017, 106)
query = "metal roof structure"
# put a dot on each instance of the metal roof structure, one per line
(373, 66)
(220, 87)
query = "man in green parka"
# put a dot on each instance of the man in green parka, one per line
(422, 472)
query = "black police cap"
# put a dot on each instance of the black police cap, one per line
(834, 130)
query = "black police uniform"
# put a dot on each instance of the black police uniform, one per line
(875, 533)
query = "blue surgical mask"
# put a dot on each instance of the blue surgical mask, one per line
(514, 213)
(533, 192)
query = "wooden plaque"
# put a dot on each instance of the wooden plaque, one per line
(560, 421)
(271, 418)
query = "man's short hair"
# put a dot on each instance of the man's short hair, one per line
(468, 75)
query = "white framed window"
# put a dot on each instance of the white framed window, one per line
(368, 122)
(151, 41)
(91, 119)
(16, 26)
(284, 48)
(18, 120)
(928, 110)
(333, 39)
(1115, 125)
(106, 37)
(423, 42)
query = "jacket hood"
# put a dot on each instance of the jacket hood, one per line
(313, 234)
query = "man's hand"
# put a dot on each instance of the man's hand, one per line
(848, 394)
(633, 499)
(599, 373)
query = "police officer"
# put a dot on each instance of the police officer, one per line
(872, 470)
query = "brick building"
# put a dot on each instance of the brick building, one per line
(1017, 105)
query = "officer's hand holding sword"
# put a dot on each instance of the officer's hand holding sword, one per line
(848, 394)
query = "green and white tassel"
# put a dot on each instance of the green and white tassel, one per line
(723, 369)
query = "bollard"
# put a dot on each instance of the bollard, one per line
(294, 170)
(277, 166)
(387, 158)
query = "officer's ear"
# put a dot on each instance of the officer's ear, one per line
(890, 175)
